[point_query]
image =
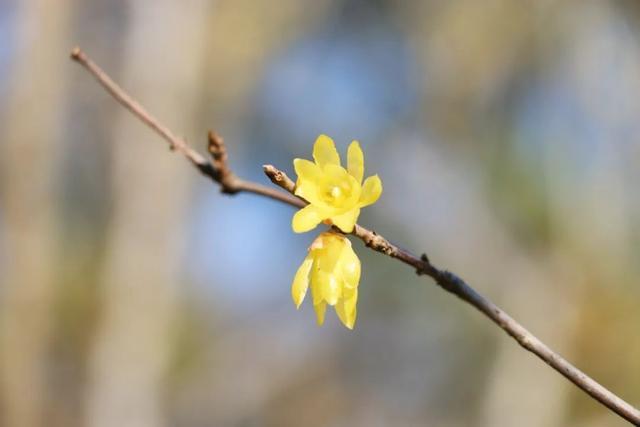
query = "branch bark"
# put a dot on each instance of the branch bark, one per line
(219, 171)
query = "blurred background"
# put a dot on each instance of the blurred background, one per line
(133, 294)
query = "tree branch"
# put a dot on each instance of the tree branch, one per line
(218, 170)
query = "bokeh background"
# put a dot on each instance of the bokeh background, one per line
(134, 294)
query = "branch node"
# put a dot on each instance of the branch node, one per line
(369, 239)
(425, 267)
(375, 241)
(229, 189)
(216, 147)
(221, 172)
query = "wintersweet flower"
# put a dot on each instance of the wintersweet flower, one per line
(333, 269)
(335, 194)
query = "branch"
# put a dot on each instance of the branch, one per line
(218, 170)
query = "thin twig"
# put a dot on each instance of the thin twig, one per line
(218, 170)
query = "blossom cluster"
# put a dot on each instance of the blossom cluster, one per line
(335, 196)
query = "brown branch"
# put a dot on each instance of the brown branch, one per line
(218, 170)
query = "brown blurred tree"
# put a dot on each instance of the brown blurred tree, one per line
(132, 346)
(29, 156)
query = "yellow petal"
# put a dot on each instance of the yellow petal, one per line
(318, 279)
(320, 311)
(306, 219)
(371, 190)
(325, 287)
(309, 177)
(350, 268)
(350, 302)
(346, 310)
(324, 151)
(308, 191)
(301, 281)
(355, 161)
(351, 310)
(342, 314)
(306, 169)
(319, 242)
(347, 220)
(332, 247)
(348, 293)
(336, 173)
(351, 319)
(331, 290)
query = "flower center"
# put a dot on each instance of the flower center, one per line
(334, 192)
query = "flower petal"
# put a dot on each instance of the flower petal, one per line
(325, 287)
(350, 269)
(347, 220)
(309, 178)
(335, 173)
(330, 254)
(307, 170)
(355, 161)
(324, 151)
(318, 278)
(306, 219)
(342, 314)
(331, 289)
(371, 190)
(301, 281)
(308, 191)
(320, 311)
(351, 318)
(351, 309)
(350, 302)
(346, 310)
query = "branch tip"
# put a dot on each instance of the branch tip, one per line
(76, 53)
(279, 178)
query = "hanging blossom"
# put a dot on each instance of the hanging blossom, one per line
(333, 270)
(335, 194)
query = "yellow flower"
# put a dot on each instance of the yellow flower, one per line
(334, 271)
(335, 195)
